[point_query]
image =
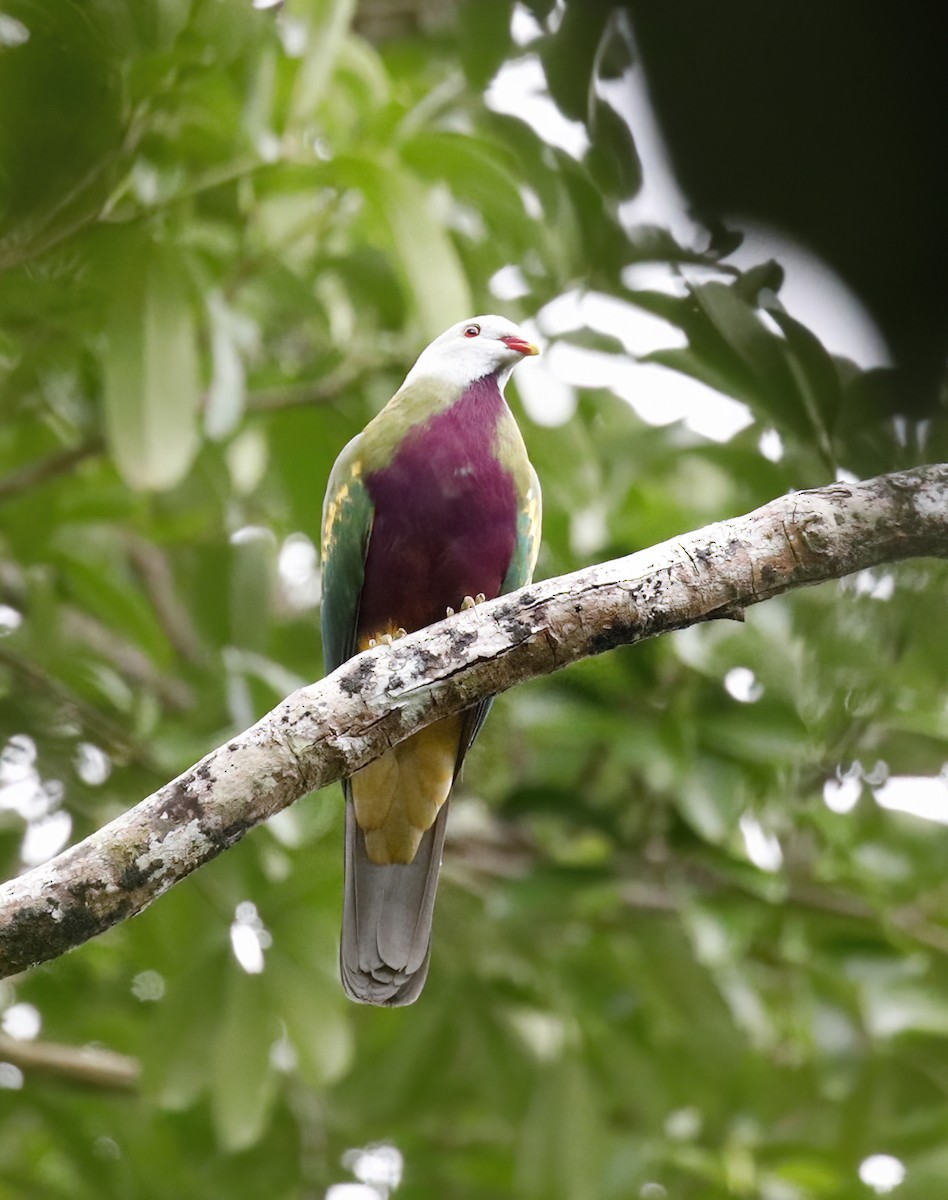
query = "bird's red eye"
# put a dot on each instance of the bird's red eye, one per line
(472, 331)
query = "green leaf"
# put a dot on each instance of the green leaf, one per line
(150, 373)
(740, 327)
(711, 799)
(685, 360)
(327, 25)
(817, 371)
(484, 38)
(612, 158)
(232, 335)
(253, 586)
(318, 1027)
(59, 157)
(157, 22)
(604, 242)
(426, 255)
(183, 1026)
(541, 9)
(243, 1081)
(475, 172)
(112, 596)
(730, 349)
(569, 58)
(558, 1154)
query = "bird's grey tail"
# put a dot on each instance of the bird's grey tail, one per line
(386, 918)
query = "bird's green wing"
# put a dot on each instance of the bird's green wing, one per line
(519, 573)
(347, 524)
(527, 545)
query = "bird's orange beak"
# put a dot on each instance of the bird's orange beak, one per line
(521, 345)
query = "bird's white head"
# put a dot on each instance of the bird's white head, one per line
(472, 349)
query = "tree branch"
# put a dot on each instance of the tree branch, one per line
(151, 563)
(91, 1065)
(259, 401)
(324, 732)
(58, 463)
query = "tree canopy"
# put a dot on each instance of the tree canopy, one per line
(686, 944)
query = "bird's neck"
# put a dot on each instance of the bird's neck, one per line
(482, 395)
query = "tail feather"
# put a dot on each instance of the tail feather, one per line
(386, 917)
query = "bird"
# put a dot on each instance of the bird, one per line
(432, 508)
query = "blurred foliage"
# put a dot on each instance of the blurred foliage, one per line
(836, 148)
(663, 964)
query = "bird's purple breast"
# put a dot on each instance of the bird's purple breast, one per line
(445, 521)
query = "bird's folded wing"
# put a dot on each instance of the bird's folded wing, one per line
(346, 528)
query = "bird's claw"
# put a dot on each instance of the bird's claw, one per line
(386, 639)
(466, 603)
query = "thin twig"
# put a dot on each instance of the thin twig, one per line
(101, 728)
(43, 469)
(319, 391)
(130, 661)
(91, 1065)
(154, 570)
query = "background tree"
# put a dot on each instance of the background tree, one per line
(685, 946)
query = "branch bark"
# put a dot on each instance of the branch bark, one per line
(325, 731)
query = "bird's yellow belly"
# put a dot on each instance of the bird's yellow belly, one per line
(398, 797)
